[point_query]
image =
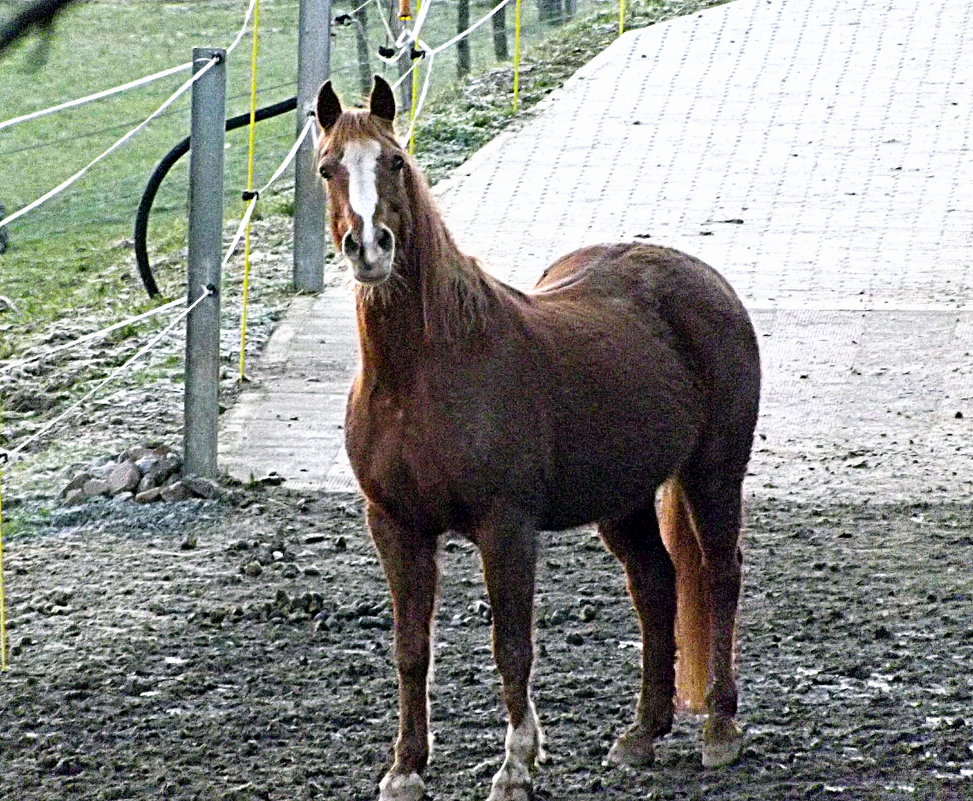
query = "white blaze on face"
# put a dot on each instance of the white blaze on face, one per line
(361, 159)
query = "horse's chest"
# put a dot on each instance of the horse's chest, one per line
(393, 464)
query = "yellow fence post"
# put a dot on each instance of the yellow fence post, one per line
(517, 18)
(415, 93)
(3, 595)
(251, 146)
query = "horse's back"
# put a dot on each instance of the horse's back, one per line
(692, 306)
(656, 346)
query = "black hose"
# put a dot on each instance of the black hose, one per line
(158, 176)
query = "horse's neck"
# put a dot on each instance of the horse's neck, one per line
(438, 298)
(389, 333)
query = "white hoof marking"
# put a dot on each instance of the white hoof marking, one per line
(524, 748)
(401, 787)
(512, 783)
(716, 755)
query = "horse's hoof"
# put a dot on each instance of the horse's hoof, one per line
(722, 742)
(634, 748)
(511, 793)
(512, 783)
(401, 787)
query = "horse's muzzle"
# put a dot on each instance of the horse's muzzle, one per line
(371, 262)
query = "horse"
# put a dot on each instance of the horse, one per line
(622, 390)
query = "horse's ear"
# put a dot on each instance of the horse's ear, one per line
(328, 107)
(382, 102)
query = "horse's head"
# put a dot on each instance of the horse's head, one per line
(362, 165)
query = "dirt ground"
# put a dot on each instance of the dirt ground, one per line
(240, 650)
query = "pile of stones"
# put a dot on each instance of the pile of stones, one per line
(145, 474)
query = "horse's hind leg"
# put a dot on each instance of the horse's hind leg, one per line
(409, 560)
(508, 550)
(715, 499)
(636, 542)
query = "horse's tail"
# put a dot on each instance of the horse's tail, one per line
(692, 596)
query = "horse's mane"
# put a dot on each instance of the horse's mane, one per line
(457, 295)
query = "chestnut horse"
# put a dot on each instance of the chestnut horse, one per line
(493, 413)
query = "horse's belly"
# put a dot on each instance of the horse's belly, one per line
(610, 460)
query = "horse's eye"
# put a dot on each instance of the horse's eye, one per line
(397, 162)
(325, 172)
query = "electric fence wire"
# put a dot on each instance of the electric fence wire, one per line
(122, 126)
(459, 37)
(7, 367)
(205, 293)
(80, 173)
(96, 96)
(234, 244)
(430, 55)
(256, 194)
(123, 87)
(172, 98)
(407, 38)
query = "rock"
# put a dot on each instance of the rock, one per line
(253, 568)
(158, 471)
(149, 496)
(557, 617)
(189, 543)
(125, 477)
(60, 597)
(202, 487)
(153, 451)
(375, 622)
(139, 453)
(481, 609)
(96, 487)
(75, 497)
(176, 492)
(68, 766)
(76, 483)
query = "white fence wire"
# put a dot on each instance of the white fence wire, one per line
(48, 426)
(308, 129)
(107, 93)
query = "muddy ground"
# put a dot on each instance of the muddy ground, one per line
(240, 650)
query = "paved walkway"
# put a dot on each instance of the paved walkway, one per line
(820, 157)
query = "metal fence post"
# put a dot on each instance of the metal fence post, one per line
(207, 133)
(313, 69)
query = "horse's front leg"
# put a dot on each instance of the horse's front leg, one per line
(509, 552)
(409, 560)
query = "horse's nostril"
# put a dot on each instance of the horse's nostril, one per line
(385, 239)
(351, 244)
